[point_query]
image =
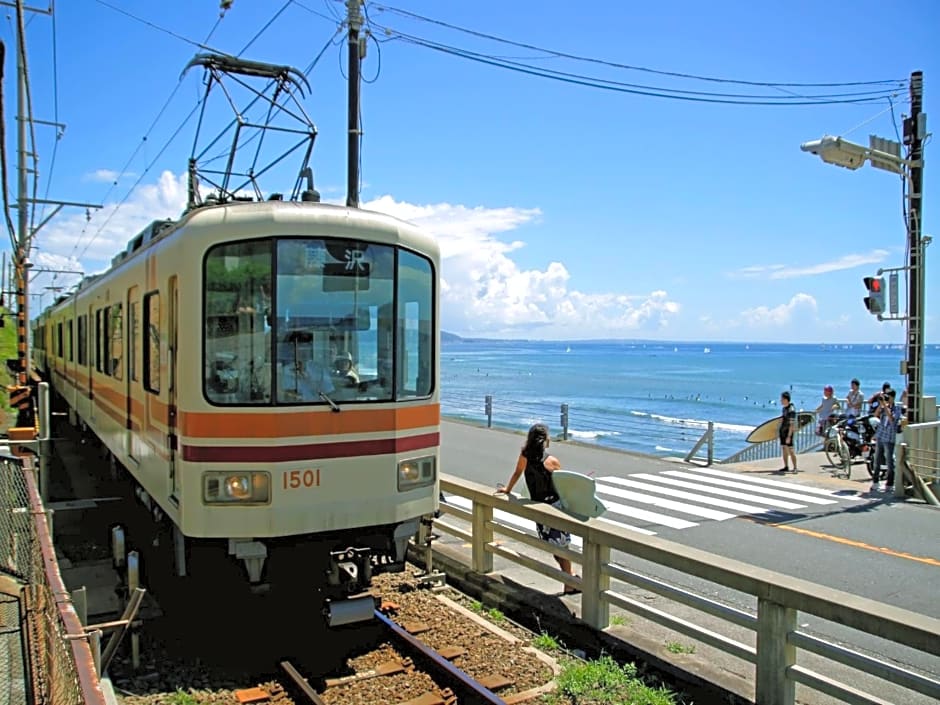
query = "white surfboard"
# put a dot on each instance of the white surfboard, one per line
(768, 430)
(577, 493)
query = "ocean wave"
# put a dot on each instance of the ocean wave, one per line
(590, 435)
(699, 423)
(663, 449)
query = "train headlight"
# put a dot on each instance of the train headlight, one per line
(416, 472)
(236, 487)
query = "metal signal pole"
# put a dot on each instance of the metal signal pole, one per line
(915, 129)
(354, 18)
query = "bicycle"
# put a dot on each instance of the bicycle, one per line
(846, 439)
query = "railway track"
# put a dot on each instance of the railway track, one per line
(415, 661)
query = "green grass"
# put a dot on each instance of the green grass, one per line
(7, 351)
(604, 681)
(476, 606)
(546, 642)
(181, 697)
(496, 615)
(677, 647)
(618, 620)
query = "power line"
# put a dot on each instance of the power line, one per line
(55, 112)
(157, 27)
(637, 89)
(629, 67)
(265, 27)
(141, 177)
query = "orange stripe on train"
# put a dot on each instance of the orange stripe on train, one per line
(220, 424)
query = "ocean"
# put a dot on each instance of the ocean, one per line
(657, 397)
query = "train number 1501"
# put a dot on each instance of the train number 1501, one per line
(295, 479)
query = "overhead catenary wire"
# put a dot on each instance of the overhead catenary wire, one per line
(639, 89)
(204, 45)
(629, 67)
(180, 127)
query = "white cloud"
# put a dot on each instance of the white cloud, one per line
(485, 292)
(801, 308)
(108, 176)
(782, 271)
(96, 240)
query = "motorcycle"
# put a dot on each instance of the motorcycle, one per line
(848, 439)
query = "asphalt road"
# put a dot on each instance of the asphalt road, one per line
(833, 532)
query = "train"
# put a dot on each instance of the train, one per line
(205, 360)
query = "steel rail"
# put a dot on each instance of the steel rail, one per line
(469, 691)
(302, 683)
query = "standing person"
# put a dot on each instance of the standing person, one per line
(876, 398)
(826, 410)
(787, 429)
(538, 467)
(885, 437)
(854, 400)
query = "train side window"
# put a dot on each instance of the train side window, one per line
(71, 340)
(415, 358)
(98, 356)
(105, 339)
(116, 348)
(83, 340)
(152, 346)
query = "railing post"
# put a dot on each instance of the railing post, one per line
(774, 653)
(711, 443)
(564, 422)
(43, 440)
(488, 408)
(595, 609)
(482, 560)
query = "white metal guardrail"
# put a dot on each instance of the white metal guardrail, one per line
(780, 598)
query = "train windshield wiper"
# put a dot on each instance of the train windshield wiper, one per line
(333, 405)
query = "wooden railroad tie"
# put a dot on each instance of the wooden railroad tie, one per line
(415, 627)
(383, 669)
(251, 695)
(451, 652)
(495, 682)
(445, 697)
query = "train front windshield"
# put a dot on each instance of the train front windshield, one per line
(317, 321)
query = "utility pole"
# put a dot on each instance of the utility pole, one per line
(21, 392)
(22, 206)
(354, 19)
(915, 129)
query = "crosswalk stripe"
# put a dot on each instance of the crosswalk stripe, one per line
(608, 490)
(651, 517)
(698, 486)
(751, 487)
(517, 521)
(672, 492)
(777, 483)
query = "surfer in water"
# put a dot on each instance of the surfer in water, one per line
(538, 467)
(787, 429)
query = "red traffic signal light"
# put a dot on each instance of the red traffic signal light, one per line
(875, 301)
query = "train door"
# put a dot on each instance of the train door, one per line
(172, 414)
(132, 425)
(92, 331)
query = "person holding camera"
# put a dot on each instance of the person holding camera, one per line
(885, 436)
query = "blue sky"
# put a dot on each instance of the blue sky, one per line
(563, 211)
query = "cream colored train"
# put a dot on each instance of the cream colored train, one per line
(212, 360)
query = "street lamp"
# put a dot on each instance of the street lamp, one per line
(835, 150)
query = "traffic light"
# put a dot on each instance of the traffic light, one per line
(875, 301)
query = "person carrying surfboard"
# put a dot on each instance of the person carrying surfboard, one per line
(538, 466)
(788, 426)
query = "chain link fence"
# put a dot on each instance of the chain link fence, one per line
(43, 646)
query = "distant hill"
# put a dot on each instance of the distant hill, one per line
(450, 337)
